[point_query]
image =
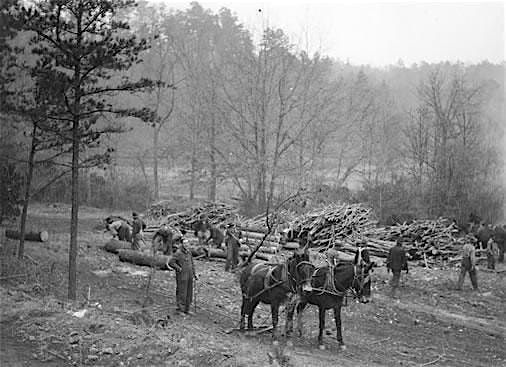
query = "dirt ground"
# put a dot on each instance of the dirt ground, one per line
(431, 324)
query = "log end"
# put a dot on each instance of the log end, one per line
(44, 236)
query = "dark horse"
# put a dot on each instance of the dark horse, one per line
(327, 289)
(272, 284)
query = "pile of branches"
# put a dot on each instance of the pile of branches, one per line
(278, 221)
(436, 238)
(323, 226)
(159, 210)
(218, 214)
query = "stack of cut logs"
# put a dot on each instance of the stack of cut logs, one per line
(436, 238)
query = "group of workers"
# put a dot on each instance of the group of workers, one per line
(170, 242)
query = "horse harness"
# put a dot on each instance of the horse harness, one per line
(268, 277)
(329, 286)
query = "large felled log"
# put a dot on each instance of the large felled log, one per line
(113, 245)
(260, 236)
(265, 243)
(220, 254)
(143, 259)
(291, 246)
(41, 236)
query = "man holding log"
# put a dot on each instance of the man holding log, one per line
(182, 263)
(164, 240)
(120, 230)
(396, 261)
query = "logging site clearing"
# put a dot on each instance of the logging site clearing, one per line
(118, 320)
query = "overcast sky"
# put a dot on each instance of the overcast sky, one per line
(379, 32)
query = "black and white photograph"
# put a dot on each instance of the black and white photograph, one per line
(240, 183)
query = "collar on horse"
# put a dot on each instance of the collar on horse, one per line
(270, 277)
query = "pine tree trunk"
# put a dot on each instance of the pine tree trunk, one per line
(212, 157)
(155, 164)
(24, 214)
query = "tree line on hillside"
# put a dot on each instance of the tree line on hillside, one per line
(87, 86)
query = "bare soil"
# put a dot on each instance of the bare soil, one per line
(431, 324)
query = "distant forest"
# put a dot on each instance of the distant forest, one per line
(224, 117)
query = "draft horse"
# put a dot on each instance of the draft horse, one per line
(272, 284)
(327, 287)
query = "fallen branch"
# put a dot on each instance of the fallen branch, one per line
(53, 353)
(13, 276)
(432, 362)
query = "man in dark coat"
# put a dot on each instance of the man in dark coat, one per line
(182, 263)
(468, 265)
(233, 246)
(396, 261)
(500, 238)
(483, 235)
(138, 226)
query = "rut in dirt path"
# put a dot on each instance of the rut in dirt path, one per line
(493, 327)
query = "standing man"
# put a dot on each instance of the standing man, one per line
(396, 261)
(468, 265)
(233, 245)
(138, 226)
(492, 253)
(500, 238)
(483, 235)
(182, 263)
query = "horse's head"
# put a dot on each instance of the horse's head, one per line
(300, 270)
(362, 279)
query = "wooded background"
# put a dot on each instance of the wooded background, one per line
(230, 118)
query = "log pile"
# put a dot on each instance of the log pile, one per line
(437, 238)
(217, 214)
(335, 221)
(258, 224)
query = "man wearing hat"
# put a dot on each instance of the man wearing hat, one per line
(468, 264)
(396, 261)
(138, 226)
(182, 263)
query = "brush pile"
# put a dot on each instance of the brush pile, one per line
(277, 221)
(217, 214)
(333, 222)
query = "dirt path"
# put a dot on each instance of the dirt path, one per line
(492, 326)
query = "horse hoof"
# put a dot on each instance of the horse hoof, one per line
(342, 347)
(321, 347)
(275, 342)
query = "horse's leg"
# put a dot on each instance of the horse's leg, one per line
(275, 317)
(251, 310)
(290, 309)
(321, 314)
(243, 311)
(300, 309)
(337, 318)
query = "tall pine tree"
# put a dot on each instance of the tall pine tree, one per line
(82, 48)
